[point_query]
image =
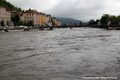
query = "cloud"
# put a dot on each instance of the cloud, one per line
(78, 9)
(41, 5)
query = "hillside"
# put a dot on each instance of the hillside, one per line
(68, 21)
(9, 6)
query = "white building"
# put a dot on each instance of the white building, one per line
(31, 15)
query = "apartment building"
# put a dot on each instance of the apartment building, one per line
(31, 15)
(5, 16)
(43, 19)
(56, 22)
(38, 18)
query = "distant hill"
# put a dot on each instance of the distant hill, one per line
(68, 21)
(9, 6)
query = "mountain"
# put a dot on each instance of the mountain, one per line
(68, 21)
(9, 6)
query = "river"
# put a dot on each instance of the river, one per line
(60, 54)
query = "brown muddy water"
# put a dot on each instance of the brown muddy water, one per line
(61, 54)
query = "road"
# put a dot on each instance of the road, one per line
(61, 54)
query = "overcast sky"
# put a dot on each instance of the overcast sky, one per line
(77, 9)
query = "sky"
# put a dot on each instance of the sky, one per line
(77, 9)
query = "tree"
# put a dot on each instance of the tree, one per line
(2, 23)
(80, 23)
(30, 23)
(19, 9)
(19, 23)
(104, 19)
(97, 21)
(113, 19)
(92, 22)
(9, 6)
(15, 19)
(118, 20)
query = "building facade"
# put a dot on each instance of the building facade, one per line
(38, 18)
(56, 22)
(5, 16)
(43, 19)
(31, 15)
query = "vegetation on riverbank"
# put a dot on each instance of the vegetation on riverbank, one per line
(106, 20)
(9, 6)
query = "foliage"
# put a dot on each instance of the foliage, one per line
(115, 20)
(9, 6)
(19, 23)
(2, 23)
(104, 19)
(30, 23)
(80, 23)
(92, 22)
(15, 19)
(118, 20)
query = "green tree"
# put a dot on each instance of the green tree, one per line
(19, 23)
(80, 23)
(15, 19)
(118, 20)
(113, 19)
(9, 6)
(30, 23)
(104, 19)
(2, 23)
(92, 22)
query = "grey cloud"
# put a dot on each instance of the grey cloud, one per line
(78, 9)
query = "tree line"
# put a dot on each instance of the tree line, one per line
(9, 6)
(106, 20)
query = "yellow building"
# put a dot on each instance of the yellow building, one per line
(42, 19)
(38, 18)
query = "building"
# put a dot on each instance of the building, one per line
(43, 19)
(31, 15)
(28, 17)
(5, 16)
(48, 18)
(38, 18)
(56, 22)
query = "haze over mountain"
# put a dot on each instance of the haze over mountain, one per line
(68, 21)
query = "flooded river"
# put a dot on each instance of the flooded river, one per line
(61, 54)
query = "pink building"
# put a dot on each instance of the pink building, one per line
(5, 16)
